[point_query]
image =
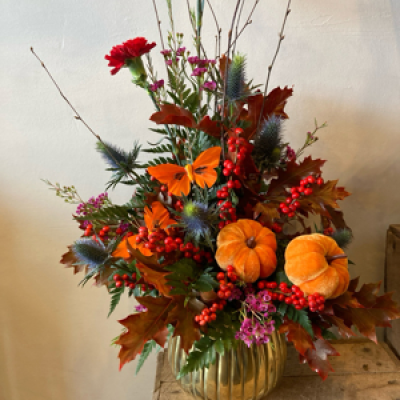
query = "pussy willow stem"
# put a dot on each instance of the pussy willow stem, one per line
(77, 116)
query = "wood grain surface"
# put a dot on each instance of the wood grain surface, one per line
(364, 371)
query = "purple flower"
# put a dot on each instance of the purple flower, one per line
(140, 308)
(180, 51)
(199, 71)
(210, 85)
(165, 52)
(236, 294)
(252, 331)
(156, 85)
(290, 153)
(193, 60)
(168, 62)
(205, 62)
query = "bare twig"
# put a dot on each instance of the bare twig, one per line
(79, 117)
(226, 78)
(281, 37)
(248, 22)
(219, 30)
(237, 27)
(158, 23)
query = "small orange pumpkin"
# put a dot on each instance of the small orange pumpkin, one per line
(317, 264)
(249, 248)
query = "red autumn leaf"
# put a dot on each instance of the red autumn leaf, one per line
(317, 358)
(364, 309)
(212, 128)
(293, 174)
(143, 327)
(335, 217)
(185, 326)
(343, 329)
(155, 278)
(296, 334)
(222, 65)
(274, 103)
(172, 114)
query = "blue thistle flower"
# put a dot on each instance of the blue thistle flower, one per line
(90, 252)
(198, 220)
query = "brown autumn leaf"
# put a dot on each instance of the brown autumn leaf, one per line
(155, 278)
(212, 128)
(293, 174)
(269, 211)
(323, 195)
(172, 114)
(317, 357)
(70, 260)
(364, 309)
(296, 334)
(185, 326)
(274, 104)
(144, 326)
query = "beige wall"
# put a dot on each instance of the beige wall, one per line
(343, 58)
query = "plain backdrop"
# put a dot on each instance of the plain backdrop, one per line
(342, 58)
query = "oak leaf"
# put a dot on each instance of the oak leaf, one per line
(172, 114)
(144, 326)
(296, 334)
(292, 175)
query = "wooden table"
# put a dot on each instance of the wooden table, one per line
(363, 371)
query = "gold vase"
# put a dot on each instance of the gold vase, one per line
(240, 374)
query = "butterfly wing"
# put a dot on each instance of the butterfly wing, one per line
(172, 175)
(204, 167)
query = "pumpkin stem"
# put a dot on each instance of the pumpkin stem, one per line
(251, 242)
(337, 257)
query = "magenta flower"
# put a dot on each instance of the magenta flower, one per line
(165, 52)
(168, 62)
(290, 153)
(156, 85)
(199, 71)
(193, 60)
(252, 331)
(210, 85)
(140, 308)
(180, 51)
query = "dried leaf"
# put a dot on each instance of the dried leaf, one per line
(317, 358)
(293, 174)
(269, 211)
(144, 326)
(155, 278)
(296, 334)
(212, 128)
(70, 260)
(172, 114)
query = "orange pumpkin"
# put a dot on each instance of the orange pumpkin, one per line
(249, 248)
(317, 264)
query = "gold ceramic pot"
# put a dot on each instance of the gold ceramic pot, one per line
(240, 374)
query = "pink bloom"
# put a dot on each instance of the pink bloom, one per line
(165, 52)
(180, 51)
(210, 85)
(156, 85)
(130, 49)
(199, 71)
(168, 62)
(193, 60)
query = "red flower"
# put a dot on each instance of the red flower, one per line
(130, 49)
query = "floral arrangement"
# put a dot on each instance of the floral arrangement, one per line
(214, 243)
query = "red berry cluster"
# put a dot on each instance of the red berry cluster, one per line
(227, 214)
(209, 314)
(291, 203)
(225, 287)
(328, 231)
(292, 295)
(160, 242)
(129, 281)
(316, 302)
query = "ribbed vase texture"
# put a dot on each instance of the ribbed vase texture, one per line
(240, 374)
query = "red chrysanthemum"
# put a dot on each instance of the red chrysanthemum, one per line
(130, 49)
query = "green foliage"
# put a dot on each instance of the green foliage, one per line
(186, 276)
(343, 237)
(299, 316)
(110, 214)
(203, 354)
(68, 193)
(236, 78)
(147, 349)
(116, 294)
(122, 163)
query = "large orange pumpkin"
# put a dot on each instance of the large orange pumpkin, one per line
(249, 248)
(317, 264)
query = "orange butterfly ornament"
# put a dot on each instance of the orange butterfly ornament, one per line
(178, 179)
